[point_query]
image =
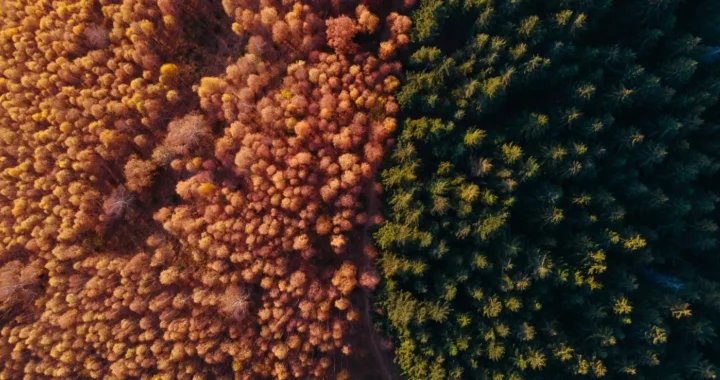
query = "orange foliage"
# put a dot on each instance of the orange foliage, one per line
(170, 225)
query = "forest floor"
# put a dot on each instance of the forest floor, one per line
(373, 358)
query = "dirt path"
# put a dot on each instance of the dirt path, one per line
(373, 339)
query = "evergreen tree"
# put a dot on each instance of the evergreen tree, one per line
(551, 202)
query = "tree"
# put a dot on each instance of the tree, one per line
(547, 158)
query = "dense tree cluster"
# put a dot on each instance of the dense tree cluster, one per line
(179, 180)
(551, 202)
(270, 203)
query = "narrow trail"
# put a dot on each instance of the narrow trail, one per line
(374, 337)
(372, 207)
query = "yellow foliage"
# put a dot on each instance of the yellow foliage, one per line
(168, 72)
(206, 189)
(622, 306)
(614, 236)
(681, 310)
(147, 27)
(172, 96)
(169, 21)
(629, 370)
(657, 335)
(634, 243)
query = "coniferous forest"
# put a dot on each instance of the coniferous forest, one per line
(359, 189)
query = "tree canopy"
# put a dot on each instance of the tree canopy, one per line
(551, 200)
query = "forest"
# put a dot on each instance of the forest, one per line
(359, 189)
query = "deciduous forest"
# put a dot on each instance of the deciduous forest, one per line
(359, 189)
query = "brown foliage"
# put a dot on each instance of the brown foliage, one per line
(117, 203)
(186, 133)
(138, 173)
(340, 33)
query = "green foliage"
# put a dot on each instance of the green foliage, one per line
(551, 204)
